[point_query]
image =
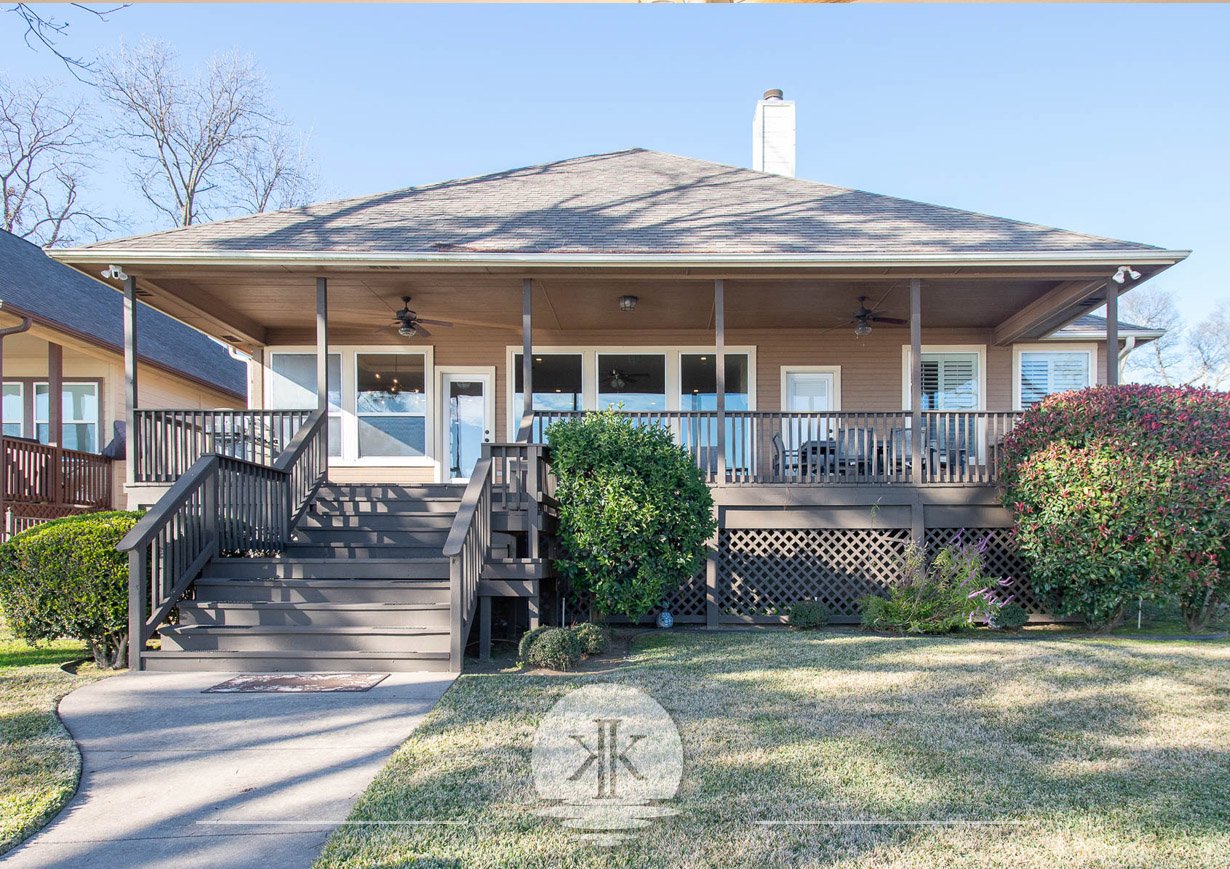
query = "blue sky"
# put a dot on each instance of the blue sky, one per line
(1100, 118)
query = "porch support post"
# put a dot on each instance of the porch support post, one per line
(916, 432)
(484, 627)
(55, 394)
(322, 345)
(719, 327)
(527, 360)
(1112, 334)
(130, 379)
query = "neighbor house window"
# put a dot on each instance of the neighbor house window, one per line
(292, 386)
(15, 409)
(632, 381)
(391, 404)
(79, 404)
(1046, 372)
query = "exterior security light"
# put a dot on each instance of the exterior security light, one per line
(628, 303)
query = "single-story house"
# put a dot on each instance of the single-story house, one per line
(843, 366)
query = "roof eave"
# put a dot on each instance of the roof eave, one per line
(130, 257)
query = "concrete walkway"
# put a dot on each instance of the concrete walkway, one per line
(174, 777)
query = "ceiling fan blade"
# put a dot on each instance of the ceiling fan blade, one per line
(445, 323)
(423, 332)
(892, 321)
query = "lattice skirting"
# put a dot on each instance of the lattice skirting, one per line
(1001, 559)
(21, 516)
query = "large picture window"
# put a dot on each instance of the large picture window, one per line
(1046, 372)
(632, 381)
(557, 382)
(292, 386)
(391, 404)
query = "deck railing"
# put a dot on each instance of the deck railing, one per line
(42, 474)
(166, 443)
(221, 504)
(831, 448)
(467, 547)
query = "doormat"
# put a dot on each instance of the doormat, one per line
(298, 683)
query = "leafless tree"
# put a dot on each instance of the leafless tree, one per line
(44, 157)
(200, 143)
(1186, 355)
(272, 174)
(46, 30)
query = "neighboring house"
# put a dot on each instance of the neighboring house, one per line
(874, 352)
(58, 455)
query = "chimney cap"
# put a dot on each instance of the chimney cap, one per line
(773, 94)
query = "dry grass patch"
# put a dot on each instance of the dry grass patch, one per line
(39, 762)
(1092, 752)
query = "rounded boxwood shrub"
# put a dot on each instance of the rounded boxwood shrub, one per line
(1010, 617)
(634, 514)
(592, 637)
(808, 614)
(1122, 493)
(66, 579)
(527, 640)
(555, 649)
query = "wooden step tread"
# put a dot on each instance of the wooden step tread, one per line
(346, 630)
(375, 606)
(301, 653)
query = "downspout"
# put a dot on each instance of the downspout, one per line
(24, 326)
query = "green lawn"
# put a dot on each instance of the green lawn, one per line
(39, 763)
(1095, 751)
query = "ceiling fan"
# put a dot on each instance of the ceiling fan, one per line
(864, 317)
(410, 324)
(619, 378)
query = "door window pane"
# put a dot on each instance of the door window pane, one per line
(809, 391)
(14, 409)
(466, 426)
(635, 381)
(391, 404)
(1046, 373)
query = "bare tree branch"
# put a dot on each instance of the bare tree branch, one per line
(202, 146)
(1210, 348)
(45, 151)
(46, 31)
(1185, 356)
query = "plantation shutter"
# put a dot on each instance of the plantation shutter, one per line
(950, 381)
(1045, 373)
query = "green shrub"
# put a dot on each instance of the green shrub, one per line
(592, 637)
(634, 515)
(949, 592)
(66, 579)
(555, 649)
(808, 614)
(1122, 493)
(1010, 616)
(527, 640)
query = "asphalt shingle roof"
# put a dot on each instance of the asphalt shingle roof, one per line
(1092, 324)
(33, 283)
(625, 202)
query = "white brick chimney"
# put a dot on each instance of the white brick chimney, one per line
(773, 135)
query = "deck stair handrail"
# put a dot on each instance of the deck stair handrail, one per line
(467, 547)
(221, 504)
(166, 443)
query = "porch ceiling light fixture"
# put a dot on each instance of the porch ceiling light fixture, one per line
(1123, 273)
(628, 303)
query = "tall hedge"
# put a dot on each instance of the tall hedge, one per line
(66, 579)
(635, 512)
(1124, 492)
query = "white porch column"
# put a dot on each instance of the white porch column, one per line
(527, 360)
(130, 378)
(1112, 333)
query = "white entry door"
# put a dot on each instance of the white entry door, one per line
(807, 390)
(467, 418)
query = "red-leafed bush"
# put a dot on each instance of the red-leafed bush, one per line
(1124, 492)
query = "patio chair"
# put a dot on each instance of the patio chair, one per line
(785, 461)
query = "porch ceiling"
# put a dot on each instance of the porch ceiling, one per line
(277, 306)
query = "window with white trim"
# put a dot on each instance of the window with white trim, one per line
(950, 381)
(15, 409)
(292, 386)
(391, 404)
(79, 404)
(1047, 372)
